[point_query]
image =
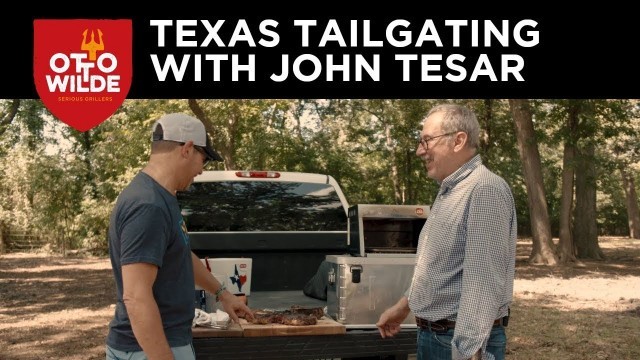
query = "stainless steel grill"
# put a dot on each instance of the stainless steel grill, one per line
(385, 229)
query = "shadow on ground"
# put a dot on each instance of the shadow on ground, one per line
(540, 329)
(622, 257)
(67, 286)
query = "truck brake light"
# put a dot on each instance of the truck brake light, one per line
(258, 174)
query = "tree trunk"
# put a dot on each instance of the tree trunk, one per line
(7, 117)
(222, 150)
(633, 213)
(543, 248)
(3, 247)
(585, 227)
(397, 194)
(87, 148)
(486, 121)
(409, 192)
(566, 247)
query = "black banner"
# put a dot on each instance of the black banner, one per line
(406, 54)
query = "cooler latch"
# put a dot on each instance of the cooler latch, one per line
(356, 271)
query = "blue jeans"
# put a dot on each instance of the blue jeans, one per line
(179, 353)
(437, 345)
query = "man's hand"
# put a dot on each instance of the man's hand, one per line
(389, 322)
(235, 307)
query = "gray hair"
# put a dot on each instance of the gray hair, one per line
(459, 118)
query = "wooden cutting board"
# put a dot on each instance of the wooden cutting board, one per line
(325, 326)
(234, 330)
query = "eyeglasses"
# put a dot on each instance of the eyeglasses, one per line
(425, 142)
(205, 158)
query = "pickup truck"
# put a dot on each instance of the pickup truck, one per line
(287, 223)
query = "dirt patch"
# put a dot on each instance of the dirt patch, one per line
(53, 307)
(58, 308)
(589, 310)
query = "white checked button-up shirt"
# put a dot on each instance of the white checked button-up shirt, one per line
(465, 261)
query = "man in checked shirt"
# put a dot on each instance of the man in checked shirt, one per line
(463, 280)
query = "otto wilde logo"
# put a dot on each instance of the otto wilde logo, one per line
(82, 69)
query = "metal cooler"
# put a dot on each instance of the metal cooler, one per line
(361, 288)
(382, 243)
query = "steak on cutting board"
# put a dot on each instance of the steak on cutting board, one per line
(298, 320)
(316, 312)
(296, 316)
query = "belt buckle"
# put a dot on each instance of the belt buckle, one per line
(436, 327)
(431, 325)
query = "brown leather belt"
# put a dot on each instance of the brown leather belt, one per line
(443, 325)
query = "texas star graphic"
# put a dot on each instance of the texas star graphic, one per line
(238, 279)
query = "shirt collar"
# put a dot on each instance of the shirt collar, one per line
(460, 174)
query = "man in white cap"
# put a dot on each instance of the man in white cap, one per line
(154, 268)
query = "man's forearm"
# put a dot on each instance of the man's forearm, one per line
(147, 328)
(203, 277)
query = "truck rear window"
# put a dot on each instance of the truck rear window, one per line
(261, 206)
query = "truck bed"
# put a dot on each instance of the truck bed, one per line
(286, 223)
(282, 300)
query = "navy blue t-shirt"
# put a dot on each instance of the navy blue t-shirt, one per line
(146, 226)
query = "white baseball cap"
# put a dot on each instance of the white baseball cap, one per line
(182, 128)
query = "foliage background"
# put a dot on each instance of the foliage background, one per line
(60, 184)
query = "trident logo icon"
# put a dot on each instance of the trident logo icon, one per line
(92, 46)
